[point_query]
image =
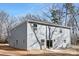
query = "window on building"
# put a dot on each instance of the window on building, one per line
(54, 40)
(42, 41)
(73, 31)
(60, 31)
(35, 26)
(16, 42)
(64, 41)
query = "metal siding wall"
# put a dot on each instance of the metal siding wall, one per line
(20, 34)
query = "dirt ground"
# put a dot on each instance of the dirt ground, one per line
(6, 50)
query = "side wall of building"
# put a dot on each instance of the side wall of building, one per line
(18, 37)
(60, 37)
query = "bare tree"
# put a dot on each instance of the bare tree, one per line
(72, 12)
(3, 19)
(31, 17)
(54, 14)
(5, 24)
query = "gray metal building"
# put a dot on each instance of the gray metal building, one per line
(33, 34)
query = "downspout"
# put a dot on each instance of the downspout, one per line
(46, 36)
(26, 35)
(49, 37)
